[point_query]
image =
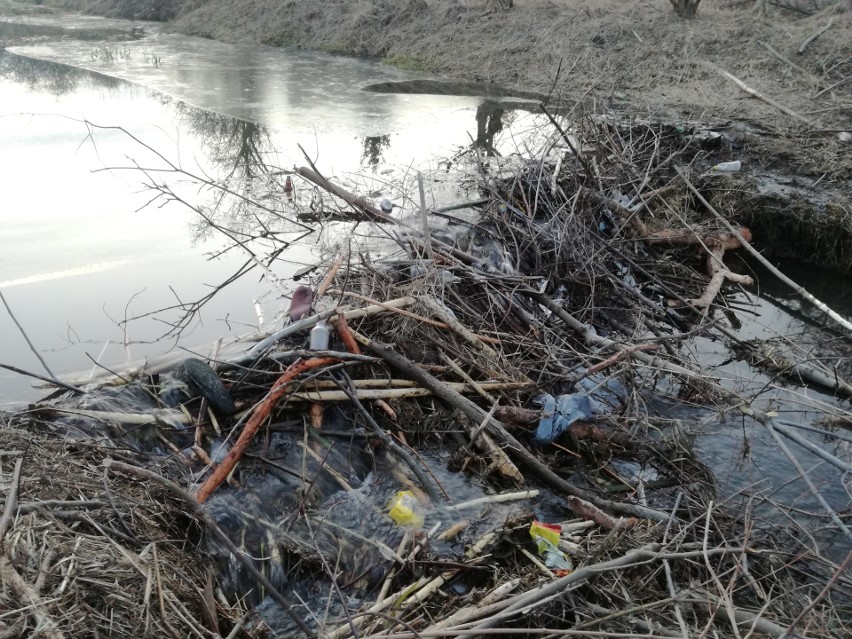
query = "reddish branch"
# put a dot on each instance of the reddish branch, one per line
(346, 336)
(263, 410)
(595, 514)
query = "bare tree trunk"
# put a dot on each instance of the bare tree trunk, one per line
(686, 8)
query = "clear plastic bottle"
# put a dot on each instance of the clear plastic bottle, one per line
(728, 167)
(319, 336)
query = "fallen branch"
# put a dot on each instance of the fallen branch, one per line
(11, 499)
(26, 337)
(756, 254)
(357, 203)
(263, 410)
(814, 36)
(755, 93)
(49, 380)
(595, 514)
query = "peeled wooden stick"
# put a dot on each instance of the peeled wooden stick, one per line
(400, 393)
(260, 414)
(136, 419)
(756, 254)
(718, 274)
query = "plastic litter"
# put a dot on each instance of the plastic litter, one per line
(319, 336)
(728, 167)
(546, 537)
(558, 413)
(404, 509)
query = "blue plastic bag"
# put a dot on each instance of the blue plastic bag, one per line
(558, 413)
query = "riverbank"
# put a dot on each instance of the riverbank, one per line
(637, 52)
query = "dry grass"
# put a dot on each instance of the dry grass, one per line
(640, 52)
(101, 555)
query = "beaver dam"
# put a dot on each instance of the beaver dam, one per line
(476, 419)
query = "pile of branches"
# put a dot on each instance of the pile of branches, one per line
(561, 286)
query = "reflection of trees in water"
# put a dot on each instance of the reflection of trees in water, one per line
(374, 149)
(249, 194)
(239, 147)
(54, 78)
(235, 190)
(489, 122)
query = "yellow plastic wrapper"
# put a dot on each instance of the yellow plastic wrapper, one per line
(404, 509)
(546, 537)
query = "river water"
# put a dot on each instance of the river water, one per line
(81, 250)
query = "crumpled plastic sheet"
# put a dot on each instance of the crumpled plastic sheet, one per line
(558, 413)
